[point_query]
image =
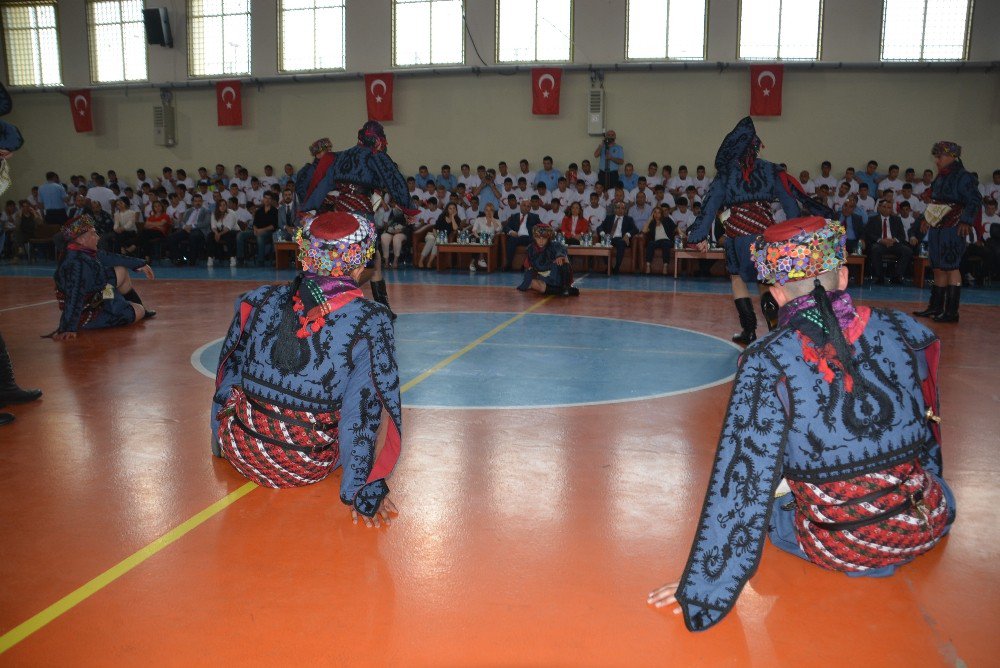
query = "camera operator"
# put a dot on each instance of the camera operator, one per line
(611, 156)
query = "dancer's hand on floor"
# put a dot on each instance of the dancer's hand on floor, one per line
(63, 336)
(146, 271)
(384, 511)
(664, 597)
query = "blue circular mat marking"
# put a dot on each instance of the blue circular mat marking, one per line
(544, 360)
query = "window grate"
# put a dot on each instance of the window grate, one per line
(534, 31)
(925, 30)
(218, 37)
(117, 41)
(427, 32)
(666, 29)
(31, 39)
(312, 35)
(780, 29)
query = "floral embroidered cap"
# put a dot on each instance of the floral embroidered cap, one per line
(335, 242)
(320, 145)
(77, 227)
(799, 248)
(947, 148)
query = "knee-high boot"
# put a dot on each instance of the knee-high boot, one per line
(381, 295)
(769, 307)
(10, 393)
(748, 321)
(952, 297)
(936, 304)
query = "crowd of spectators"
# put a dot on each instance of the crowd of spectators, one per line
(220, 217)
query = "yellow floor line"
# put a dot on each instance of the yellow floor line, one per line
(26, 628)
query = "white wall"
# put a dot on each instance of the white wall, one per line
(674, 116)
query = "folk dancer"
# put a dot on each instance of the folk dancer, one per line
(546, 267)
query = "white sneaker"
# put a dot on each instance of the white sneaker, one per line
(482, 263)
(472, 266)
(211, 262)
(232, 262)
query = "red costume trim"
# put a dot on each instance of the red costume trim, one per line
(321, 169)
(826, 356)
(930, 385)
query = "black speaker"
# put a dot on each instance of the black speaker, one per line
(158, 27)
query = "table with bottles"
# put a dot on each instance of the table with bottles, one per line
(466, 243)
(591, 246)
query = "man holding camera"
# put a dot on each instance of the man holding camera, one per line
(610, 156)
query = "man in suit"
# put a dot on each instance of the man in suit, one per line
(885, 237)
(854, 223)
(518, 229)
(620, 228)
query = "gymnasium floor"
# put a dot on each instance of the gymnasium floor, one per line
(525, 537)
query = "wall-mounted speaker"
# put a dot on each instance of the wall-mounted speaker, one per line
(158, 27)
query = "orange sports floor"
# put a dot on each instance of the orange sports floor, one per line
(524, 538)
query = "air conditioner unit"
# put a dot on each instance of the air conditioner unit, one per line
(164, 126)
(595, 112)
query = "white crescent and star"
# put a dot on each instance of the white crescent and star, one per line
(376, 83)
(76, 100)
(545, 93)
(229, 89)
(766, 74)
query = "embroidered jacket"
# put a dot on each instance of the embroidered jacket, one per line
(349, 365)
(541, 264)
(784, 420)
(81, 275)
(359, 165)
(954, 185)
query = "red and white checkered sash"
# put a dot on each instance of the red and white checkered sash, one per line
(749, 218)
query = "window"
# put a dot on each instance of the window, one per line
(32, 44)
(117, 41)
(218, 37)
(312, 35)
(672, 29)
(780, 29)
(427, 32)
(925, 29)
(534, 30)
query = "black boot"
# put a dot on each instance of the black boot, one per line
(133, 296)
(10, 393)
(748, 321)
(6, 418)
(952, 297)
(769, 307)
(381, 295)
(936, 304)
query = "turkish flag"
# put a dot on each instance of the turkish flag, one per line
(229, 102)
(378, 95)
(83, 113)
(765, 89)
(545, 85)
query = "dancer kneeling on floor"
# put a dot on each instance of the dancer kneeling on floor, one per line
(546, 268)
(307, 378)
(94, 288)
(840, 401)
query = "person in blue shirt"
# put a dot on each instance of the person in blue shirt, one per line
(854, 223)
(629, 179)
(870, 176)
(423, 176)
(611, 156)
(488, 191)
(446, 178)
(549, 175)
(52, 196)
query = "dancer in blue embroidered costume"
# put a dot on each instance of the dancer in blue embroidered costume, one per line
(842, 402)
(307, 379)
(953, 204)
(10, 139)
(546, 266)
(741, 194)
(93, 288)
(347, 181)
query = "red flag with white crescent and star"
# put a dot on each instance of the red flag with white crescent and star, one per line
(229, 102)
(765, 89)
(83, 112)
(378, 95)
(545, 85)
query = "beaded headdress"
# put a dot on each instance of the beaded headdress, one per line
(76, 227)
(335, 242)
(323, 144)
(799, 248)
(947, 148)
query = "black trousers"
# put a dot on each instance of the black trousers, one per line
(511, 244)
(619, 245)
(148, 240)
(224, 248)
(56, 216)
(973, 251)
(195, 240)
(899, 251)
(663, 244)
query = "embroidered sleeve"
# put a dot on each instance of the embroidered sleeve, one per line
(73, 289)
(319, 194)
(302, 179)
(737, 505)
(230, 363)
(389, 178)
(116, 260)
(713, 201)
(970, 197)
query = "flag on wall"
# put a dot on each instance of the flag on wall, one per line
(229, 102)
(545, 85)
(765, 89)
(83, 113)
(378, 95)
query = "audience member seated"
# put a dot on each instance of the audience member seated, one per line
(157, 228)
(393, 237)
(221, 240)
(660, 232)
(192, 232)
(25, 223)
(265, 222)
(854, 223)
(641, 210)
(518, 229)
(886, 238)
(426, 220)
(620, 228)
(126, 234)
(977, 260)
(574, 224)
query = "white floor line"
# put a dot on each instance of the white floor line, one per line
(14, 308)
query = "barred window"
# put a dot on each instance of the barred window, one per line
(780, 29)
(921, 30)
(117, 41)
(312, 35)
(534, 31)
(427, 32)
(218, 37)
(660, 29)
(30, 35)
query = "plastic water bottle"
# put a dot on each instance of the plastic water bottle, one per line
(923, 249)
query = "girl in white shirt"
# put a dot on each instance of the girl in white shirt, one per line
(125, 230)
